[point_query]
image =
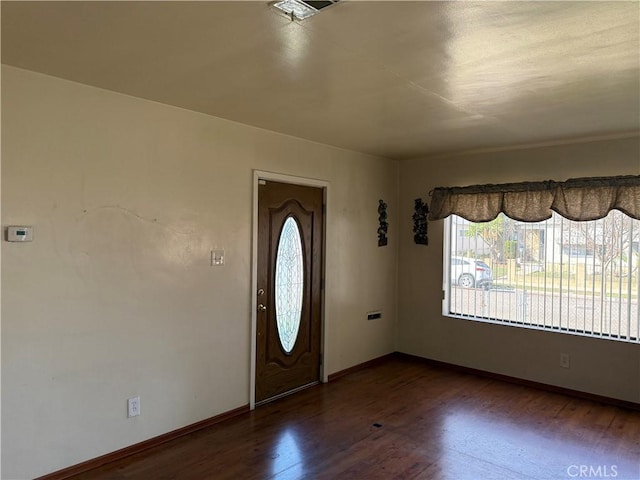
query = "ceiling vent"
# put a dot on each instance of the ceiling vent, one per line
(302, 9)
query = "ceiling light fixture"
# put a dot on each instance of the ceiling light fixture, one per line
(301, 9)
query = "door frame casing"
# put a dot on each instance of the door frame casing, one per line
(308, 182)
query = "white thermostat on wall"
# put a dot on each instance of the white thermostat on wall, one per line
(19, 234)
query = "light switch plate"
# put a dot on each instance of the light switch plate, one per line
(217, 258)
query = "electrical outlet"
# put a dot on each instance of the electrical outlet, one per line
(133, 407)
(565, 360)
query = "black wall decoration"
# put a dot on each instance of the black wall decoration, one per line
(384, 226)
(421, 210)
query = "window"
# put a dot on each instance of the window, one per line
(555, 274)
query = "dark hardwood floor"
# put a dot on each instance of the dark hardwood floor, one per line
(404, 419)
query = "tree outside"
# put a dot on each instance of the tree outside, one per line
(495, 234)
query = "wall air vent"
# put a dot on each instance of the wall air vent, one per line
(302, 9)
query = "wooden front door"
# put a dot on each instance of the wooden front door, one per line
(289, 306)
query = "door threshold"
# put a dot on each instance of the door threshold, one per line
(287, 393)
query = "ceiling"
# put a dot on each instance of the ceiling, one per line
(395, 79)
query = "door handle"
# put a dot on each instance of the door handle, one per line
(262, 308)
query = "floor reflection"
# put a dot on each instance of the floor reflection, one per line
(488, 442)
(287, 456)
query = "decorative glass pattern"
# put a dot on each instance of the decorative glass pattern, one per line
(289, 285)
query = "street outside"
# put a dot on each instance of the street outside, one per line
(611, 315)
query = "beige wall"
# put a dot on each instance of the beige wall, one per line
(115, 296)
(602, 367)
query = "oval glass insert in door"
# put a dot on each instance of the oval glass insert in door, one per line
(289, 283)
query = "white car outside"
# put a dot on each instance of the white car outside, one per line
(469, 272)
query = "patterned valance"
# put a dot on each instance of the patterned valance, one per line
(579, 199)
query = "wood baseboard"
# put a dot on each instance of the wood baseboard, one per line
(142, 446)
(360, 366)
(527, 383)
(167, 437)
